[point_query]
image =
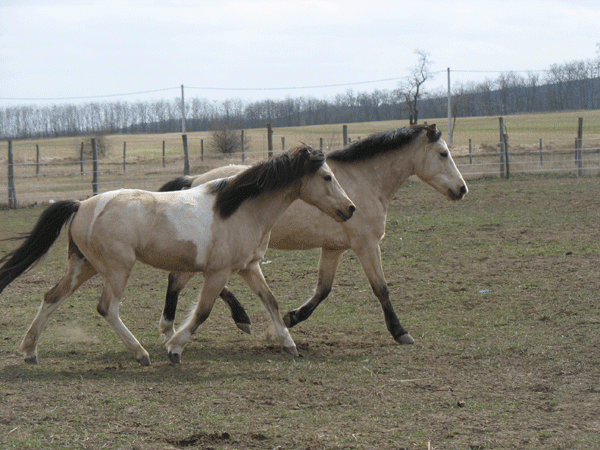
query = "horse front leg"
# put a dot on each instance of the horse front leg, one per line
(213, 285)
(328, 264)
(255, 279)
(79, 270)
(370, 259)
(177, 281)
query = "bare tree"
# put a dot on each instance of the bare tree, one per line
(226, 140)
(411, 88)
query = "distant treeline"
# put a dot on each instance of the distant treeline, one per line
(569, 86)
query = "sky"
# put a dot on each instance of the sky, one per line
(80, 51)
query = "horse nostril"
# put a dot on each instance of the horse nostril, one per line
(352, 209)
(463, 190)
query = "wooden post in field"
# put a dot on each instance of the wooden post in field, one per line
(345, 134)
(283, 143)
(81, 158)
(37, 159)
(541, 153)
(186, 155)
(243, 147)
(124, 156)
(95, 167)
(12, 192)
(321, 144)
(164, 154)
(504, 168)
(202, 150)
(270, 139)
(470, 152)
(578, 147)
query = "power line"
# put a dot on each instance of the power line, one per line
(284, 88)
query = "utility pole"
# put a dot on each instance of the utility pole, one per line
(182, 112)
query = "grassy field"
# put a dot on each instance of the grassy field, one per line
(499, 290)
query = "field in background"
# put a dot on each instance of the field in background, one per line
(499, 290)
(60, 175)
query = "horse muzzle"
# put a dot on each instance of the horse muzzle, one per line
(452, 195)
(345, 215)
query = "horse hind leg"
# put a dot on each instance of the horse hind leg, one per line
(79, 270)
(108, 307)
(328, 264)
(370, 259)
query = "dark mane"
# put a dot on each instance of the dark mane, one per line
(383, 142)
(276, 173)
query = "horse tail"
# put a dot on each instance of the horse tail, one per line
(183, 182)
(37, 242)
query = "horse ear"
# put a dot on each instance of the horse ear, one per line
(433, 134)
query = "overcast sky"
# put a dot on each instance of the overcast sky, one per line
(73, 51)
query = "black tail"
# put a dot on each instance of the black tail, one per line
(37, 242)
(183, 182)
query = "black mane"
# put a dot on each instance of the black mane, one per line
(276, 173)
(383, 142)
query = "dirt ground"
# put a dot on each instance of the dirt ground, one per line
(500, 293)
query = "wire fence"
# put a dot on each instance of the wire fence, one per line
(49, 170)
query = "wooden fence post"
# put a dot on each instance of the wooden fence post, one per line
(186, 155)
(37, 159)
(124, 156)
(283, 143)
(345, 134)
(470, 152)
(81, 158)
(12, 192)
(202, 150)
(270, 139)
(95, 167)
(578, 147)
(321, 144)
(163, 154)
(541, 153)
(243, 147)
(504, 165)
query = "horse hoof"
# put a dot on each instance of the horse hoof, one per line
(144, 360)
(245, 327)
(175, 358)
(291, 350)
(31, 360)
(290, 319)
(405, 339)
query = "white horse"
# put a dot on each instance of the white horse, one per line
(218, 228)
(371, 171)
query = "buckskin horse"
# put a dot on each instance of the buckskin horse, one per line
(218, 228)
(371, 171)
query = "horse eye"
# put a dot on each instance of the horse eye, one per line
(327, 178)
(444, 154)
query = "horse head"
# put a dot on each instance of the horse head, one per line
(435, 165)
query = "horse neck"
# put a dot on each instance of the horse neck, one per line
(383, 173)
(268, 207)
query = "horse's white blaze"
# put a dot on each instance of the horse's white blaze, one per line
(192, 216)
